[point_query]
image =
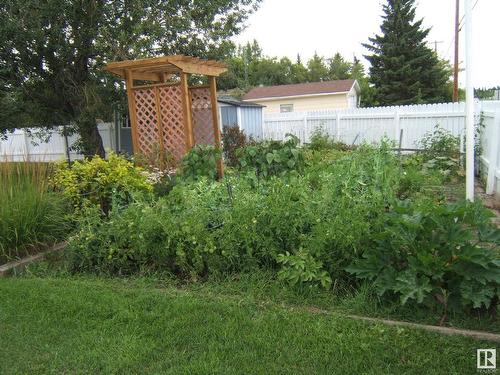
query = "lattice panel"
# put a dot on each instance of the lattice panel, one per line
(202, 116)
(172, 118)
(147, 120)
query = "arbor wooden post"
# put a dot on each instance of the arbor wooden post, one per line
(171, 114)
(188, 116)
(215, 123)
(129, 83)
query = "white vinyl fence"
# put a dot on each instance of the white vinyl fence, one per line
(359, 125)
(490, 156)
(406, 125)
(26, 145)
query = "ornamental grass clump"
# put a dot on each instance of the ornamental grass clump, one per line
(31, 216)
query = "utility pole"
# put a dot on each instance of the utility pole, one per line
(469, 106)
(455, 66)
(436, 42)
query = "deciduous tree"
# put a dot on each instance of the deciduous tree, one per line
(52, 53)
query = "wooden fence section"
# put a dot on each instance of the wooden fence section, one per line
(406, 125)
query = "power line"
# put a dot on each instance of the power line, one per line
(463, 17)
(459, 29)
(455, 63)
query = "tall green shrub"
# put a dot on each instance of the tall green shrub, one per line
(232, 140)
(95, 182)
(403, 69)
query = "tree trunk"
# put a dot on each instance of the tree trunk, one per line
(91, 141)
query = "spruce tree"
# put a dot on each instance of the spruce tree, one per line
(317, 70)
(339, 68)
(403, 69)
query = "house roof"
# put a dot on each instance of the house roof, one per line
(301, 89)
(238, 103)
(152, 69)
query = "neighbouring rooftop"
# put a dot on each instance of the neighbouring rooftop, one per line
(236, 102)
(301, 89)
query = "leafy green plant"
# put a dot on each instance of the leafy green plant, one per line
(302, 269)
(320, 141)
(344, 222)
(273, 158)
(164, 184)
(262, 221)
(232, 139)
(166, 236)
(445, 253)
(441, 152)
(200, 162)
(97, 181)
(478, 139)
(416, 180)
(440, 142)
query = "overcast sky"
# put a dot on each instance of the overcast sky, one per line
(288, 27)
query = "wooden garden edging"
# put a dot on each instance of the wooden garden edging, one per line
(17, 265)
(479, 335)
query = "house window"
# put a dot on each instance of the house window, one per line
(286, 108)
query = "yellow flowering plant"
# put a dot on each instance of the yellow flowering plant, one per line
(97, 182)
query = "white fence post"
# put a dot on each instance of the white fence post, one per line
(26, 146)
(493, 157)
(337, 122)
(397, 125)
(306, 130)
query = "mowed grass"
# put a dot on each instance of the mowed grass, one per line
(90, 325)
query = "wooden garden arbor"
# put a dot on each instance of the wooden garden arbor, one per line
(165, 112)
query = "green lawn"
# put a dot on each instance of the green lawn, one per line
(90, 325)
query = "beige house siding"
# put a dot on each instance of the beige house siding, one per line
(305, 103)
